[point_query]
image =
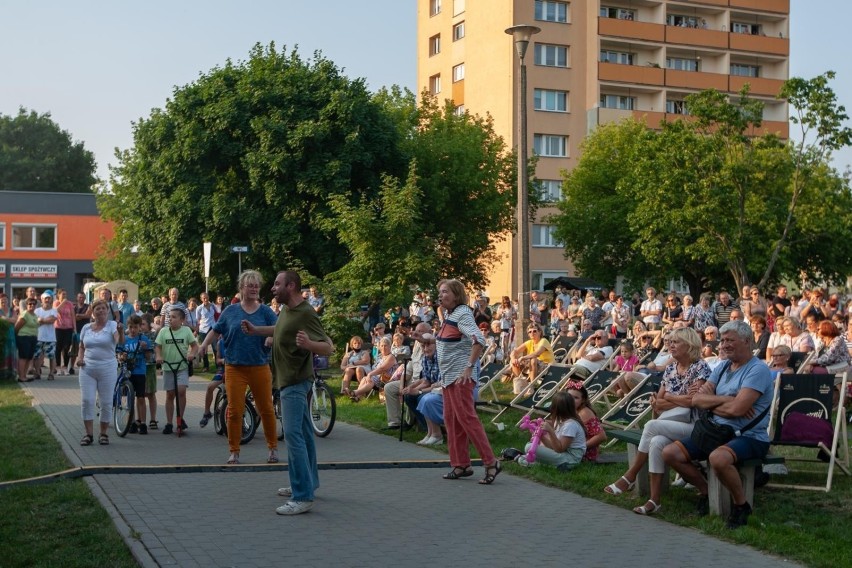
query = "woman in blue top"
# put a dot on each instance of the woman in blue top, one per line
(246, 363)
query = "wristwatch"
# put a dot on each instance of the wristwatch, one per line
(419, 391)
(471, 365)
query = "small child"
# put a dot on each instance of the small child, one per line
(176, 346)
(625, 362)
(218, 379)
(563, 442)
(626, 359)
(134, 349)
(150, 371)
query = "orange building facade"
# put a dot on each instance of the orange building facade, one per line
(594, 62)
(48, 240)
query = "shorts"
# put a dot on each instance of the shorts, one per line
(742, 447)
(26, 346)
(138, 382)
(46, 348)
(169, 379)
(150, 378)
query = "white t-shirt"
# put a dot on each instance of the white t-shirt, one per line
(573, 429)
(651, 306)
(46, 331)
(593, 366)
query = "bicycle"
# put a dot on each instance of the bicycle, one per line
(123, 400)
(321, 401)
(221, 412)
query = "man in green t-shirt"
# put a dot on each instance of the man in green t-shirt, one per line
(296, 337)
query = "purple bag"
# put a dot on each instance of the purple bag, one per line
(803, 429)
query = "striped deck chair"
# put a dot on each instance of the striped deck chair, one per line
(542, 387)
(632, 408)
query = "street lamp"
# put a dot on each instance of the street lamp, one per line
(521, 35)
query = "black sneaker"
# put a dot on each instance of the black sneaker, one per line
(71, 371)
(183, 425)
(739, 516)
(134, 428)
(143, 429)
(167, 429)
(703, 507)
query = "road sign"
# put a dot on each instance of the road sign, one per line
(239, 248)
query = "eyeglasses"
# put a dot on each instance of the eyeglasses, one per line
(532, 331)
(598, 338)
(32, 303)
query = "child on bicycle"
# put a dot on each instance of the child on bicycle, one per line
(176, 345)
(218, 379)
(134, 348)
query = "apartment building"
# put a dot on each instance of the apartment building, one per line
(594, 62)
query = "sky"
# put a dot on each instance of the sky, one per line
(99, 65)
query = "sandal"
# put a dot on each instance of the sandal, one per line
(355, 397)
(234, 459)
(614, 489)
(86, 440)
(646, 510)
(152, 425)
(50, 377)
(273, 457)
(459, 472)
(103, 440)
(489, 476)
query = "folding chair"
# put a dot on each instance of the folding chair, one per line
(541, 388)
(812, 395)
(489, 376)
(561, 347)
(798, 360)
(633, 407)
(599, 384)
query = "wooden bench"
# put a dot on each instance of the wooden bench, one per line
(718, 494)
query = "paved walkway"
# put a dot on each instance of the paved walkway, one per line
(362, 517)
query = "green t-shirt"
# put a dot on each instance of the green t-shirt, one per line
(290, 364)
(30, 328)
(174, 352)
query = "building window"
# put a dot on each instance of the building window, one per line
(458, 72)
(674, 106)
(617, 13)
(434, 45)
(435, 84)
(681, 64)
(34, 237)
(542, 236)
(555, 101)
(551, 11)
(550, 145)
(551, 55)
(435, 7)
(2, 236)
(459, 110)
(742, 28)
(685, 21)
(550, 190)
(618, 101)
(458, 31)
(458, 7)
(620, 57)
(742, 70)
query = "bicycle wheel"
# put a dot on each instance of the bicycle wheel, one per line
(323, 408)
(123, 407)
(279, 416)
(249, 423)
(220, 405)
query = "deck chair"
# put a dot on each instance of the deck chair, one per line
(599, 384)
(489, 379)
(548, 382)
(632, 408)
(811, 395)
(561, 347)
(798, 360)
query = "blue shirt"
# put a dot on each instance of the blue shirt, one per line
(755, 375)
(135, 347)
(242, 349)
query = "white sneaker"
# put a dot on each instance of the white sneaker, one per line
(433, 441)
(521, 460)
(285, 492)
(294, 507)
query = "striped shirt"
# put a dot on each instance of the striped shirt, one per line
(455, 342)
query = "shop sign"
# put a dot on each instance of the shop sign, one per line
(33, 271)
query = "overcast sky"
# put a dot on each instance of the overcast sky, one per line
(98, 65)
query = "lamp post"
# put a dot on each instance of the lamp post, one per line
(521, 35)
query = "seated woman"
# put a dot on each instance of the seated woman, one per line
(796, 339)
(382, 371)
(563, 442)
(834, 354)
(529, 358)
(355, 363)
(776, 338)
(595, 434)
(711, 342)
(399, 349)
(671, 405)
(761, 335)
(781, 361)
(493, 343)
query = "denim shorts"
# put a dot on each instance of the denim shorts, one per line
(743, 448)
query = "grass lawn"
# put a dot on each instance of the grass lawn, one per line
(809, 527)
(57, 524)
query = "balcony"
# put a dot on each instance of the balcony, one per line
(780, 6)
(696, 80)
(713, 2)
(782, 129)
(697, 37)
(630, 74)
(758, 85)
(631, 29)
(760, 44)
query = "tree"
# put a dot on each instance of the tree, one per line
(705, 194)
(37, 155)
(252, 153)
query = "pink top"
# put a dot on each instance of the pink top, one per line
(626, 364)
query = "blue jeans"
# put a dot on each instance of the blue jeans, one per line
(299, 435)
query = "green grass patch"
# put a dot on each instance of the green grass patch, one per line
(808, 527)
(56, 524)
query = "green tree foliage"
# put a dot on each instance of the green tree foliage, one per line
(37, 155)
(252, 153)
(705, 195)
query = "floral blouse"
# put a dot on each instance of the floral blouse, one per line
(679, 384)
(593, 428)
(836, 352)
(594, 315)
(703, 318)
